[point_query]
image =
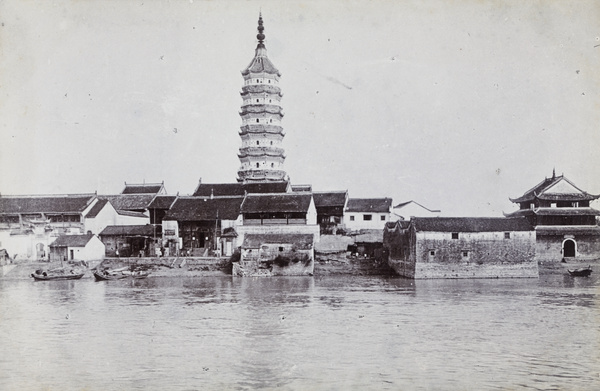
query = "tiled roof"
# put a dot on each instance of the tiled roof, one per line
(555, 212)
(71, 241)
(550, 230)
(129, 201)
(239, 189)
(204, 208)
(566, 212)
(284, 202)
(261, 63)
(131, 213)
(96, 209)
(145, 188)
(129, 230)
(162, 202)
(538, 192)
(330, 198)
(45, 204)
(470, 224)
(375, 205)
(302, 241)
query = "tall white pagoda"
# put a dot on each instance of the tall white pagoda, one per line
(261, 154)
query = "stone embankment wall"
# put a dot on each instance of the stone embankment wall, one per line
(345, 263)
(174, 266)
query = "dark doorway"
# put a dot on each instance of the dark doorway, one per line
(569, 248)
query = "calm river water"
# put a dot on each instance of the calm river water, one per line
(304, 333)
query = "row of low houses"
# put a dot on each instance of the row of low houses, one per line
(276, 225)
(143, 220)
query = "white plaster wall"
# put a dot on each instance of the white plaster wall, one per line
(359, 223)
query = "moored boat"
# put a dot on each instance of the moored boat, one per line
(57, 274)
(584, 272)
(118, 274)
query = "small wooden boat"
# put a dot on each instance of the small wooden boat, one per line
(49, 275)
(584, 272)
(107, 275)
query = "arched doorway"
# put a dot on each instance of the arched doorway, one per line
(40, 252)
(569, 248)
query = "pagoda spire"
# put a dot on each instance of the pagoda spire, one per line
(260, 36)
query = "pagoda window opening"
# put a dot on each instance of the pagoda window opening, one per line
(257, 120)
(257, 165)
(454, 235)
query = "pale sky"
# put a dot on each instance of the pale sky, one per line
(457, 105)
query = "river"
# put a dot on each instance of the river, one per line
(300, 333)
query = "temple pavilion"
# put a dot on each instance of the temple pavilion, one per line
(566, 225)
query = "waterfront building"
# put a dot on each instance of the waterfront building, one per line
(261, 154)
(29, 223)
(129, 240)
(203, 226)
(286, 221)
(77, 247)
(566, 225)
(367, 213)
(461, 247)
(330, 207)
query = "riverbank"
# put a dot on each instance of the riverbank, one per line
(330, 264)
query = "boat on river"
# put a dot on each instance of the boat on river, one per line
(119, 274)
(584, 272)
(57, 274)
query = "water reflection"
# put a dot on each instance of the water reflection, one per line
(300, 333)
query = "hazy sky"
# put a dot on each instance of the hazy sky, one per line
(457, 105)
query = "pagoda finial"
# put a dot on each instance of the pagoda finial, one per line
(260, 36)
(553, 173)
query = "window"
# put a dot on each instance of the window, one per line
(507, 235)
(257, 120)
(382, 218)
(257, 165)
(257, 101)
(367, 217)
(280, 248)
(432, 252)
(465, 254)
(454, 235)
(553, 204)
(351, 218)
(257, 143)
(272, 165)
